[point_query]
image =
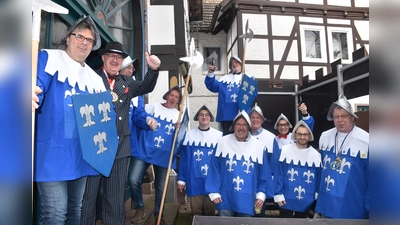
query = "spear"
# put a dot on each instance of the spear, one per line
(195, 59)
(248, 34)
(37, 7)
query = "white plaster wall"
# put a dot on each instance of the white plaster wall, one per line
(317, 2)
(338, 21)
(340, 2)
(279, 48)
(288, 72)
(363, 29)
(361, 3)
(258, 71)
(282, 25)
(160, 88)
(161, 29)
(310, 19)
(257, 23)
(257, 49)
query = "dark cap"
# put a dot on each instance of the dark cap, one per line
(113, 47)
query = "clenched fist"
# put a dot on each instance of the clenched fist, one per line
(153, 61)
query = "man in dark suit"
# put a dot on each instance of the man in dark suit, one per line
(123, 89)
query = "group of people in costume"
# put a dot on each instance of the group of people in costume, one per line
(234, 170)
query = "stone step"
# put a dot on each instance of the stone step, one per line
(170, 214)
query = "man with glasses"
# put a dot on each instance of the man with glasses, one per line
(197, 148)
(123, 88)
(297, 174)
(343, 191)
(239, 177)
(60, 171)
(284, 137)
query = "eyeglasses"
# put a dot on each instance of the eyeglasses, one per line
(302, 135)
(283, 124)
(131, 67)
(114, 56)
(343, 117)
(204, 115)
(241, 125)
(81, 38)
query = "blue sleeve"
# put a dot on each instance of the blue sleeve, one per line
(265, 183)
(139, 115)
(279, 179)
(43, 79)
(183, 163)
(309, 122)
(213, 180)
(275, 156)
(212, 84)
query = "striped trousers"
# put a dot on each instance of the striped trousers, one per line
(113, 210)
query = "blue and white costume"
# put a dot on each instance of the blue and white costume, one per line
(343, 192)
(58, 154)
(155, 146)
(239, 173)
(198, 147)
(297, 177)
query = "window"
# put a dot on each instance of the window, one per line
(340, 44)
(313, 44)
(212, 55)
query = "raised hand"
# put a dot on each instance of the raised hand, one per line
(153, 61)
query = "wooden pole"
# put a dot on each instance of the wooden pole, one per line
(172, 149)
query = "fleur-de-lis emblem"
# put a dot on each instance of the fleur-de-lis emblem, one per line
(105, 108)
(238, 180)
(158, 125)
(233, 97)
(159, 139)
(169, 127)
(292, 172)
(308, 174)
(252, 89)
(230, 162)
(230, 86)
(205, 168)
(88, 111)
(70, 93)
(210, 152)
(198, 153)
(328, 181)
(248, 164)
(343, 164)
(99, 138)
(326, 160)
(299, 190)
(245, 99)
(245, 86)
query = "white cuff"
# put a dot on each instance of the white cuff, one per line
(261, 195)
(211, 75)
(214, 196)
(279, 198)
(181, 182)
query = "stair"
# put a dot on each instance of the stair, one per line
(170, 214)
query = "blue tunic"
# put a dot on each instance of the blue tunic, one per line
(137, 120)
(343, 192)
(227, 88)
(155, 146)
(239, 173)
(58, 154)
(297, 177)
(197, 149)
